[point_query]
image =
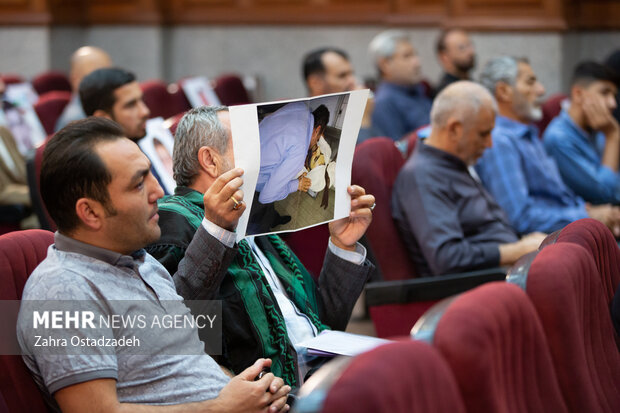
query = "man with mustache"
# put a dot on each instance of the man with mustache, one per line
(524, 180)
(456, 55)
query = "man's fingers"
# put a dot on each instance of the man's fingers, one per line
(251, 372)
(278, 405)
(356, 191)
(363, 201)
(224, 178)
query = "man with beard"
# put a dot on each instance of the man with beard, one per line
(524, 180)
(456, 55)
(115, 94)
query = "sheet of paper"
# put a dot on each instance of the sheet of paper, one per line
(157, 145)
(199, 92)
(340, 343)
(277, 142)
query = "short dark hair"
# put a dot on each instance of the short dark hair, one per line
(441, 41)
(321, 117)
(71, 169)
(97, 89)
(590, 71)
(313, 63)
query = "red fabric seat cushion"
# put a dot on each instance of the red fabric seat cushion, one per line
(400, 377)
(493, 341)
(565, 287)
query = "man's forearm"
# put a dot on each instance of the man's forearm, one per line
(203, 267)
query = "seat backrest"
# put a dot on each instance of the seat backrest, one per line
(157, 98)
(597, 239)
(564, 285)
(375, 166)
(173, 122)
(400, 377)
(33, 166)
(20, 253)
(11, 78)
(51, 80)
(49, 107)
(495, 345)
(550, 109)
(231, 91)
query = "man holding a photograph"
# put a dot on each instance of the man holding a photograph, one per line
(270, 301)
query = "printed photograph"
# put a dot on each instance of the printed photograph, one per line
(299, 147)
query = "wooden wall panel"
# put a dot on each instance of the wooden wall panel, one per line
(496, 15)
(419, 12)
(594, 14)
(507, 14)
(18, 12)
(275, 11)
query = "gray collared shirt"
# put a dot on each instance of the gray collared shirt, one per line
(77, 271)
(449, 222)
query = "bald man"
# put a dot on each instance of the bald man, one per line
(448, 221)
(84, 61)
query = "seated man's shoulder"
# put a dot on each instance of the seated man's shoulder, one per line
(57, 278)
(555, 133)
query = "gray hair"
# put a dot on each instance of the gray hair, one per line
(463, 99)
(501, 69)
(384, 44)
(199, 127)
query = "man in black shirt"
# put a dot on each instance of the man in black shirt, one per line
(456, 56)
(449, 222)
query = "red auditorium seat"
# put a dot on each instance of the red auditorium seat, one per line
(20, 253)
(178, 101)
(172, 122)
(10, 78)
(231, 91)
(161, 101)
(564, 284)
(401, 377)
(49, 107)
(376, 164)
(495, 345)
(49, 81)
(33, 167)
(551, 108)
(596, 238)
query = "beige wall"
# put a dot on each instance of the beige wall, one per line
(274, 52)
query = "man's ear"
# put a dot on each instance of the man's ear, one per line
(454, 127)
(316, 84)
(503, 92)
(576, 94)
(102, 114)
(209, 161)
(382, 65)
(90, 213)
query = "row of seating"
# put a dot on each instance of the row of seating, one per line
(162, 99)
(552, 352)
(52, 80)
(542, 341)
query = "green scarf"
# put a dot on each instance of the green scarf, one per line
(251, 282)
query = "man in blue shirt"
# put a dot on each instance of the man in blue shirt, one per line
(524, 180)
(401, 104)
(584, 140)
